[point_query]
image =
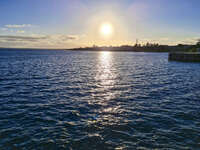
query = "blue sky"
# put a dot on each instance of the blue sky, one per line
(74, 23)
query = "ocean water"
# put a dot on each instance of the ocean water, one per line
(64, 100)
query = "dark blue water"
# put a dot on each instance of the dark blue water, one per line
(63, 100)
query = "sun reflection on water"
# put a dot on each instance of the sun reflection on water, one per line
(105, 78)
(106, 92)
(105, 75)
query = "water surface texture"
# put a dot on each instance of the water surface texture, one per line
(63, 100)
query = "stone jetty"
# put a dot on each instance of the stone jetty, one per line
(184, 57)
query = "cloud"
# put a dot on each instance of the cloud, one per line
(170, 40)
(9, 38)
(64, 37)
(189, 40)
(4, 29)
(18, 25)
(38, 41)
(20, 31)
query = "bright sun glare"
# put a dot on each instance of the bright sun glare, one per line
(106, 29)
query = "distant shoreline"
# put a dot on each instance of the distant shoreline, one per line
(83, 50)
(126, 48)
(92, 50)
(138, 48)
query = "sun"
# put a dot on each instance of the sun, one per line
(106, 29)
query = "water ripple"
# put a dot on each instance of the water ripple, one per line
(97, 100)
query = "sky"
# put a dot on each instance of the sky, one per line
(77, 23)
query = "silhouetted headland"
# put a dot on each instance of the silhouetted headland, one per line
(139, 48)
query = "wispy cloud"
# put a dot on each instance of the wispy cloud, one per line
(190, 40)
(17, 28)
(169, 41)
(10, 38)
(4, 29)
(20, 31)
(18, 25)
(48, 41)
